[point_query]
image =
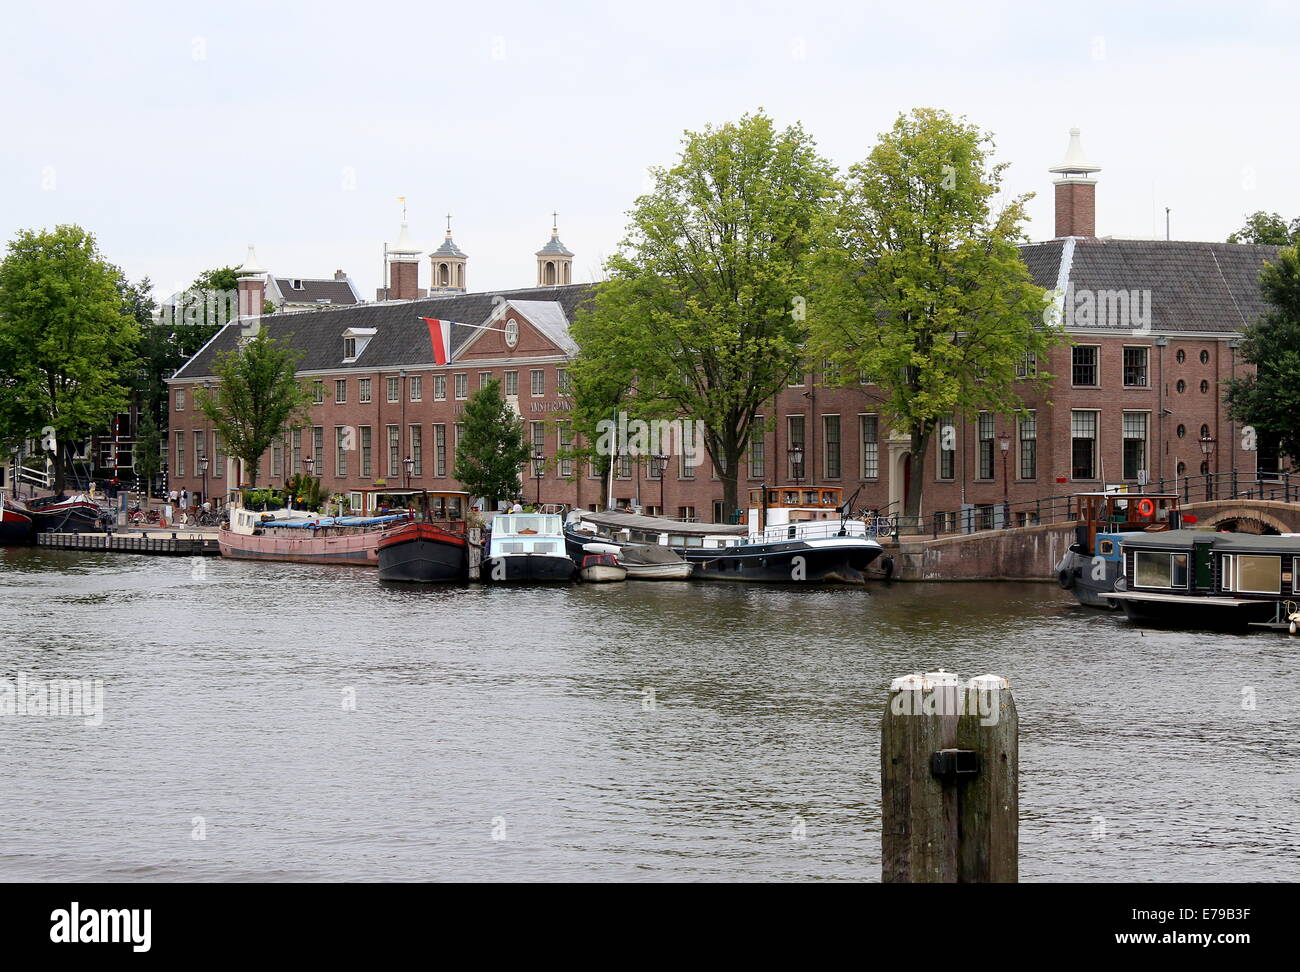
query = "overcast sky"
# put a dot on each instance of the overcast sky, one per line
(178, 137)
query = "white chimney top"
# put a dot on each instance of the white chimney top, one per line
(250, 267)
(1076, 160)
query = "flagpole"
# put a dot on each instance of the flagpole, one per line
(480, 327)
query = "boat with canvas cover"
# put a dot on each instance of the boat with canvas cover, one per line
(432, 549)
(301, 537)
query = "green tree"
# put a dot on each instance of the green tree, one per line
(66, 340)
(702, 311)
(147, 456)
(1271, 228)
(492, 449)
(926, 295)
(1269, 399)
(257, 399)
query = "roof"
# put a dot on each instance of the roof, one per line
(1182, 540)
(315, 291)
(1185, 286)
(554, 247)
(654, 524)
(449, 249)
(401, 338)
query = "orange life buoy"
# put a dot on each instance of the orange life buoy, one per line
(1146, 507)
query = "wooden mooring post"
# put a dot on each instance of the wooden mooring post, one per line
(949, 781)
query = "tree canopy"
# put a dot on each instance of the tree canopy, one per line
(1271, 228)
(1269, 399)
(701, 314)
(492, 448)
(924, 293)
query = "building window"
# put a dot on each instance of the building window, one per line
(512, 383)
(340, 451)
(1135, 367)
(417, 450)
(794, 436)
(394, 448)
(340, 391)
(297, 451)
(1135, 444)
(1027, 366)
(1205, 386)
(757, 450)
(180, 453)
(539, 448)
(1181, 431)
(1181, 386)
(458, 433)
(870, 425)
(363, 390)
(686, 514)
(539, 382)
(562, 381)
(1181, 356)
(987, 445)
(277, 459)
(565, 442)
(1084, 365)
(1083, 445)
(394, 390)
(180, 399)
(1029, 446)
(365, 431)
(1205, 357)
(317, 392)
(440, 451)
(417, 388)
(318, 450)
(948, 448)
(349, 349)
(440, 388)
(483, 378)
(218, 465)
(1182, 469)
(462, 387)
(831, 445)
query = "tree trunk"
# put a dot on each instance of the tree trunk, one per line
(912, 501)
(60, 466)
(251, 467)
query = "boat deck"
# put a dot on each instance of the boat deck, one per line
(162, 543)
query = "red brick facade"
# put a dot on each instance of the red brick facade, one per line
(1076, 208)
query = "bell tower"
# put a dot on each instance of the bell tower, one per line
(448, 265)
(554, 260)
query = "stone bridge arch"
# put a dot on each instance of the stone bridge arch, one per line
(1246, 517)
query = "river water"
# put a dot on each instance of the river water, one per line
(290, 722)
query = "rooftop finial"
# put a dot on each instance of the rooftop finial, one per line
(1076, 160)
(555, 224)
(449, 226)
(402, 200)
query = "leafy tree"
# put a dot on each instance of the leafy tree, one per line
(926, 295)
(1269, 399)
(66, 340)
(492, 449)
(701, 314)
(1271, 228)
(148, 451)
(256, 400)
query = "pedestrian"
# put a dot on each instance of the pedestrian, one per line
(517, 508)
(185, 499)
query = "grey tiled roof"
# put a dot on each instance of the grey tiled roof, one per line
(401, 337)
(335, 291)
(449, 249)
(554, 248)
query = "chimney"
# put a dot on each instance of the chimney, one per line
(403, 268)
(252, 286)
(340, 275)
(1076, 193)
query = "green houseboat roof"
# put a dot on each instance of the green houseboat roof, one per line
(1224, 542)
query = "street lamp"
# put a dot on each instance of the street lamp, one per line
(203, 468)
(407, 463)
(1004, 442)
(1207, 450)
(661, 464)
(539, 463)
(796, 463)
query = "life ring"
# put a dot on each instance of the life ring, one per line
(1065, 577)
(1145, 507)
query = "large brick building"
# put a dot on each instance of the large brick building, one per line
(1154, 328)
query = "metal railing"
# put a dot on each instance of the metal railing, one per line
(1064, 507)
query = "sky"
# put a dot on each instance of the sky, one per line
(181, 133)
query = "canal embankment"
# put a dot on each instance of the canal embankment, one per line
(1018, 554)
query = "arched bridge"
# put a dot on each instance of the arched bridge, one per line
(1246, 515)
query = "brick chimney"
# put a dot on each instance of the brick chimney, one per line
(340, 275)
(404, 268)
(252, 286)
(1076, 192)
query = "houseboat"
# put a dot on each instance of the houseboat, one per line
(306, 538)
(432, 548)
(1200, 579)
(1091, 565)
(527, 547)
(61, 514)
(800, 535)
(16, 525)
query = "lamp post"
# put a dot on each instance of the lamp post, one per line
(1207, 449)
(539, 461)
(1004, 441)
(661, 464)
(203, 468)
(407, 463)
(796, 463)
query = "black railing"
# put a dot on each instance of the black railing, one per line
(1064, 507)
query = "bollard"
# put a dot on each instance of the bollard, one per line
(949, 772)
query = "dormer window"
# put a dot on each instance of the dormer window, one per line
(349, 349)
(355, 340)
(296, 285)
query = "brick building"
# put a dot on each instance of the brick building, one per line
(1154, 326)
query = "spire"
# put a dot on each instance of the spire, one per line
(554, 247)
(449, 247)
(1076, 160)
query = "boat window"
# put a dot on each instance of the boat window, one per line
(512, 548)
(1253, 574)
(791, 497)
(773, 496)
(829, 499)
(543, 547)
(1106, 547)
(1165, 570)
(810, 497)
(454, 508)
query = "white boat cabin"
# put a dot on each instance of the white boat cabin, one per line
(527, 533)
(799, 513)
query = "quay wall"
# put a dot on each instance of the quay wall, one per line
(1021, 554)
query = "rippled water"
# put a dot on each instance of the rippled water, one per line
(641, 731)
